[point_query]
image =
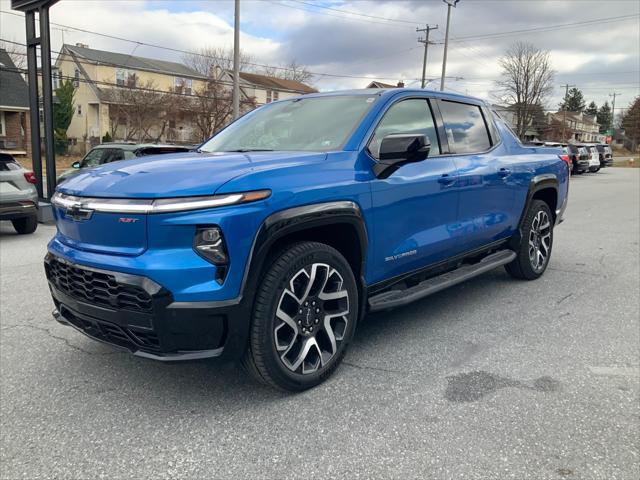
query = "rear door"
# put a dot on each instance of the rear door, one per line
(486, 183)
(415, 208)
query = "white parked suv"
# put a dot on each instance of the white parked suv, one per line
(594, 158)
(18, 195)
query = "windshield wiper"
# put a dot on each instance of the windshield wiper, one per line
(242, 150)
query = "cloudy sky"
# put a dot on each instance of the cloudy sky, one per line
(594, 45)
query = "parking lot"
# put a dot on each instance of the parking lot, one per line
(495, 378)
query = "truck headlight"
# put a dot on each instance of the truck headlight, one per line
(209, 244)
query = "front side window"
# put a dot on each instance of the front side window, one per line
(406, 116)
(303, 124)
(93, 158)
(465, 127)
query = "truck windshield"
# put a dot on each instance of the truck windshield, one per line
(313, 124)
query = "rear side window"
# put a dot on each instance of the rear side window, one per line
(407, 116)
(7, 162)
(466, 129)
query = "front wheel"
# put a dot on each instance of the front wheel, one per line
(304, 317)
(534, 250)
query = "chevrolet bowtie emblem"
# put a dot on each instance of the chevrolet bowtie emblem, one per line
(77, 213)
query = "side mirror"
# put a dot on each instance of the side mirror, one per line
(75, 165)
(399, 149)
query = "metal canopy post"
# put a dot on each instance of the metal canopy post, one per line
(47, 97)
(34, 114)
(30, 7)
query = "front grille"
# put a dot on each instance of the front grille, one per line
(97, 288)
(112, 333)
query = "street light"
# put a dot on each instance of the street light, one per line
(450, 3)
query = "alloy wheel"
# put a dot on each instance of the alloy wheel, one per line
(311, 318)
(540, 240)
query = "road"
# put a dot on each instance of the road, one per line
(495, 378)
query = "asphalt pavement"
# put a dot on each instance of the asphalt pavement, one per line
(495, 378)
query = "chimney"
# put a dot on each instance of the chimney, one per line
(400, 84)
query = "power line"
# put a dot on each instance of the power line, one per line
(411, 22)
(546, 28)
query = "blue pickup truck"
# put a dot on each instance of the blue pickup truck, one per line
(270, 243)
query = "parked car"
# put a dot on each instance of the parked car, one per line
(605, 154)
(111, 152)
(281, 232)
(18, 195)
(579, 158)
(594, 158)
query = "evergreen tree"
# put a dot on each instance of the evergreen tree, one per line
(63, 111)
(605, 117)
(631, 124)
(592, 109)
(573, 101)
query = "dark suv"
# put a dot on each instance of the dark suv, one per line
(606, 156)
(112, 152)
(579, 158)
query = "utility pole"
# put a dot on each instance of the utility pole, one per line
(613, 111)
(236, 61)
(450, 3)
(426, 47)
(564, 107)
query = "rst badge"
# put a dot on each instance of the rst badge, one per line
(127, 220)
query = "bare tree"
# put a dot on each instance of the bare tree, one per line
(297, 72)
(205, 60)
(212, 107)
(291, 71)
(17, 54)
(142, 110)
(527, 79)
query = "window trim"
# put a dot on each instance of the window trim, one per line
(428, 101)
(486, 127)
(3, 124)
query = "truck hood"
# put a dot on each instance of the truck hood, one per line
(176, 175)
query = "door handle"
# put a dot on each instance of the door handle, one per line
(504, 172)
(446, 180)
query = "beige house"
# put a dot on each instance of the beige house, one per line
(584, 128)
(142, 99)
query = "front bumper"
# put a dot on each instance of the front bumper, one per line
(134, 313)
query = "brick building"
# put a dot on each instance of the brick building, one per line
(15, 135)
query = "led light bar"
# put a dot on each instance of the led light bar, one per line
(162, 205)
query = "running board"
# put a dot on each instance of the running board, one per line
(396, 298)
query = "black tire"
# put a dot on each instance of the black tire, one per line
(593, 169)
(25, 225)
(524, 266)
(268, 332)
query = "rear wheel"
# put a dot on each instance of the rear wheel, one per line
(304, 317)
(25, 225)
(534, 250)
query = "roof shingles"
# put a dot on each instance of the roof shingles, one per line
(13, 89)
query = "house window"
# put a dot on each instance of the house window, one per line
(183, 85)
(76, 78)
(3, 129)
(276, 96)
(55, 79)
(120, 77)
(125, 78)
(79, 110)
(269, 96)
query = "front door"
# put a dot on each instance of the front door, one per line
(415, 208)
